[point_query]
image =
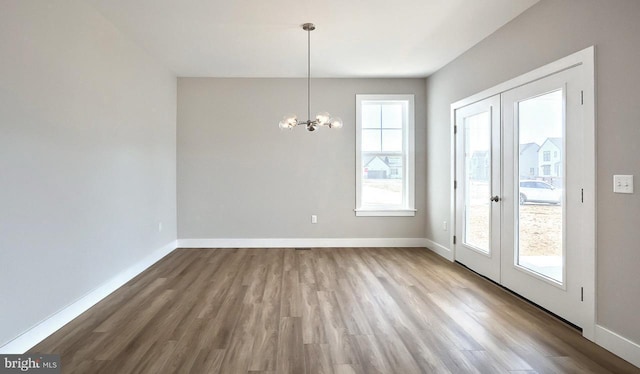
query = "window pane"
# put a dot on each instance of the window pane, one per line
(392, 115)
(371, 140)
(540, 215)
(477, 215)
(382, 180)
(392, 140)
(371, 115)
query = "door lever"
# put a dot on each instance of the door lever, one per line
(495, 198)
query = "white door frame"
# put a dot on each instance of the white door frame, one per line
(586, 58)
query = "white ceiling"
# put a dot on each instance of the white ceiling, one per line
(263, 38)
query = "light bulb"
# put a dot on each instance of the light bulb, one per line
(291, 120)
(284, 125)
(323, 118)
(335, 123)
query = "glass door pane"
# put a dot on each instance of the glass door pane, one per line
(540, 218)
(477, 179)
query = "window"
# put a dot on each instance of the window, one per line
(532, 171)
(546, 156)
(546, 169)
(385, 155)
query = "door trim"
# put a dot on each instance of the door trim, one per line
(585, 58)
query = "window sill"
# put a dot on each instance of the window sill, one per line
(385, 212)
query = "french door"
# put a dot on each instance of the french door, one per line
(478, 182)
(520, 180)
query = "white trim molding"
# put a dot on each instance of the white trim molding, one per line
(618, 344)
(385, 213)
(301, 242)
(583, 57)
(42, 330)
(439, 249)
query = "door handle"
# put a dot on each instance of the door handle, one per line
(495, 198)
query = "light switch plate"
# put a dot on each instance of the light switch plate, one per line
(623, 183)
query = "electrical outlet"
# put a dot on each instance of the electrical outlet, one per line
(444, 225)
(314, 218)
(159, 226)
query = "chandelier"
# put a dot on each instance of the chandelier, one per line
(322, 119)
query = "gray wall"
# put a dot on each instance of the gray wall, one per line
(87, 157)
(548, 31)
(239, 176)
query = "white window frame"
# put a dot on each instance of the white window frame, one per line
(408, 151)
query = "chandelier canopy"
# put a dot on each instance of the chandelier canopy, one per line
(322, 119)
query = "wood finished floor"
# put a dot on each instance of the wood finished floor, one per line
(333, 310)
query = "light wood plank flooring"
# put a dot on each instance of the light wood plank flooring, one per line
(332, 310)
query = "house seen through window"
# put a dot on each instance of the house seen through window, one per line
(385, 156)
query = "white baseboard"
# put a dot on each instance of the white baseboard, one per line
(301, 242)
(439, 249)
(618, 345)
(39, 332)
